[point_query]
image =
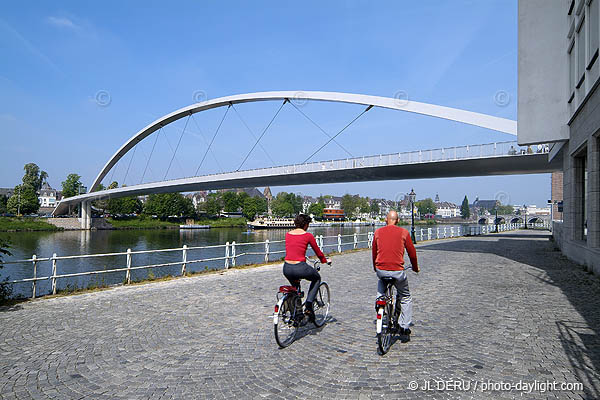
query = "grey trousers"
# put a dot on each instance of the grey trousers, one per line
(402, 294)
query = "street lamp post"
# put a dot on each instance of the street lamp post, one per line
(496, 220)
(412, 196)
(525, 210)
(19, 202)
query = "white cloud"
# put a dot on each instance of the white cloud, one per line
(62, 22)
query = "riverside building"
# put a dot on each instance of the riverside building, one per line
(559, 104)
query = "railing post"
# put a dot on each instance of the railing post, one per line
(128, 273)
(34, 259)
(267, 250)
(226, 255)
(428, 233)
(233, 253)
(321, 245)
(451, 231)
(184, 259)
(444, 232)
(458, 231)
(437, 232)
(369, 239)
(355, 240)
(339, 243)
(54, 273)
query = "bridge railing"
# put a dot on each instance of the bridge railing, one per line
(182, 260)
(487, 150)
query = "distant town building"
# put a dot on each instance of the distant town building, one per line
(334, 214)
(446, 209)
(47, 196)
(306, 202)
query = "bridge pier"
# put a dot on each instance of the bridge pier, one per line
(86, 215)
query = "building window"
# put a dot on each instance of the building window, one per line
(581, 52)
(594, 34)
(581, 200)
(572, 71)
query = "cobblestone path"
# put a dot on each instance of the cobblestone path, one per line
(489, 310)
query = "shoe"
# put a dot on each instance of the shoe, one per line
(310, 314)
(404, 331)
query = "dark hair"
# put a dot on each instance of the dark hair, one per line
(302, 220)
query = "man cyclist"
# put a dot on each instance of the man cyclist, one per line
(389, 243)
(295, 266)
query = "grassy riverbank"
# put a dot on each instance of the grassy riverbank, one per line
(154, 223)
(13, 224)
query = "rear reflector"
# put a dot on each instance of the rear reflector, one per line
(276, 308)
(380, 302)
(378, 316)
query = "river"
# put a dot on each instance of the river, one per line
(69, 243)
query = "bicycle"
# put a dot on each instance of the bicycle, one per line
(388, 311)
(289, 314)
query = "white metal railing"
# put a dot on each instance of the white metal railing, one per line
(488, 150)
(232, 251)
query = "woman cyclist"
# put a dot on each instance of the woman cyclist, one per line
(295, 266)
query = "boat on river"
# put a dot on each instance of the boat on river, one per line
(194, 226)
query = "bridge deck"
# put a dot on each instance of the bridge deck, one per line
(500, 308)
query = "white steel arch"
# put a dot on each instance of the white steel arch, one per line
(452, 114)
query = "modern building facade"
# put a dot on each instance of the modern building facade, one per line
(559, 103)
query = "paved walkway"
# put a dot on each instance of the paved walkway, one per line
(488, 310)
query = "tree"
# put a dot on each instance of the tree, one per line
(363, 205)
(230, 201)
(70, 187)
(249, 207)
(165, 205)
(33, 176)
(3, 200)
(214, 204)
(505, 210)
(24, 200)
(374, 208)
(124, 205)
(283, 206)
(261, 205)
(426, 206)
(316, 209)
(5, 288)
(465, 212)
(349, 204)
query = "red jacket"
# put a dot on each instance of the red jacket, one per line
(389, 243)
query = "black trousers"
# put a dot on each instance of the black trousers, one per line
(295, 272)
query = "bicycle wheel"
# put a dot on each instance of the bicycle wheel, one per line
(285, 326)
(321, 305)
(384, 339)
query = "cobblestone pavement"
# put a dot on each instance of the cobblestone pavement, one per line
(501, 308)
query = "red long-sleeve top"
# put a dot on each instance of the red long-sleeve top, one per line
(389, 243)
(296, 245)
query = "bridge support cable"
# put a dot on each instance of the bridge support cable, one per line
(206, 143)
(337, 134)
(177, 147)
(252, 133)
(213, 139)
(151, 152)
(129, 165)
(263, 133)
(321, 129)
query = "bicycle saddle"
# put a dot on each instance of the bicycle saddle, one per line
(388, 279)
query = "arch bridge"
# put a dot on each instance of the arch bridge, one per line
(501, 158)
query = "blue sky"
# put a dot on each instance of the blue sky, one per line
(79, 78)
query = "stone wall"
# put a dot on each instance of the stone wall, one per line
(75, 224)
